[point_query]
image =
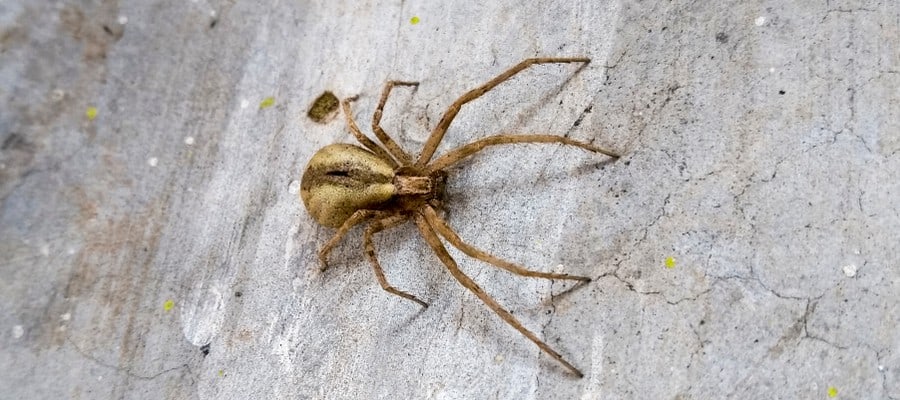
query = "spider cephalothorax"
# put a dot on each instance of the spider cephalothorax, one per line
(345, 185)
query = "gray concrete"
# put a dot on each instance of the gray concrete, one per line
(761, 146)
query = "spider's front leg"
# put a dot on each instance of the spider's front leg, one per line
(435, 243)
(438, 133)
(447, 232)
(385, 139)
(375, 227)
(459, 153)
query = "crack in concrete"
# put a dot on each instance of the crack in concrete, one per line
(127, 370)
(845, 11)
(662, 213)
(630, 287)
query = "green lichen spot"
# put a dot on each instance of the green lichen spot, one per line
(670, 262)
(323, 108)
(168, 305)
(91, 113)
(414, 20)
(267, 102)
(832, 392)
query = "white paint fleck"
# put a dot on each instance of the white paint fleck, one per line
(850, 270)
(123, 20)
(296, 284)
(66, 316)
(760, 21)
(2, 165)
(45, 250)
(99, 378)
(245, 103)
(57, 95)
(204, 311)
(71, 251)
(772, 70)
(152, 161)
(498, 359)
(61, 328)
(856, 251)
(270, 331)
(289, 247)
(18, 331)
(212, 13)
(285, 344)
(881, 368)
(294, 187)
(189, 140)
(595, 374)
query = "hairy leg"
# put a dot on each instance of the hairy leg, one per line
(355, 219)
(362, 138)
(438, 133)
(435, 243)
(373, 228)
(444, 230)
(392, 146)
(462, 152)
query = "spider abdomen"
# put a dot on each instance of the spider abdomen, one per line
(341, 179)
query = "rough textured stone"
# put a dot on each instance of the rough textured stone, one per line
(158, 248)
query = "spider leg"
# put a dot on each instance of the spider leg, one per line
(459, 153)
(438, 133)
(391, 145)
(355, 219)
(373, 228)
(447, 232)
(362, 138)
(435, 243)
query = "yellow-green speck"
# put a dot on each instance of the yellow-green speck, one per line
(267, 102)
(168, 305)
(832, 392)
(91, 113)
(221, 372)
(670, 262)
(414, 20)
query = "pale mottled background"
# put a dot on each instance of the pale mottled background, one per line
(761, 146)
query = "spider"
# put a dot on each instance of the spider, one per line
(345, 185)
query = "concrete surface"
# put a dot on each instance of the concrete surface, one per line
(157, 249)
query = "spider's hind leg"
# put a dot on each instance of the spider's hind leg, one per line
(447, 232)
(358, 217)
(373, 228)
(361, 137)
(391, 145)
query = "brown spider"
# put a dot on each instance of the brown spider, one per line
(345, 185)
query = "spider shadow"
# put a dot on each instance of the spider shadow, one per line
(546, 97)
(459, 197)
